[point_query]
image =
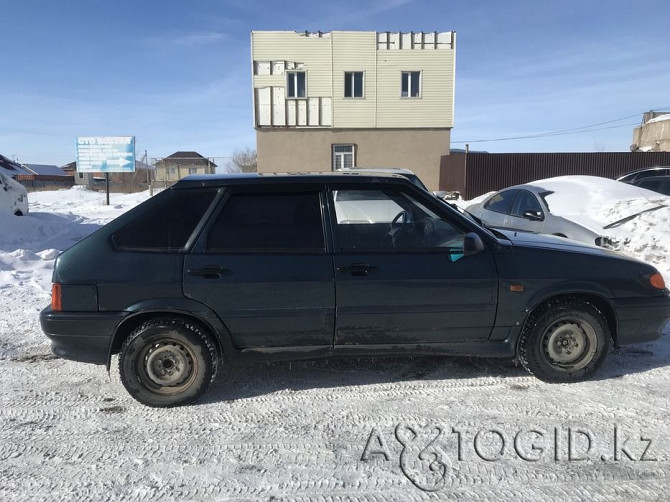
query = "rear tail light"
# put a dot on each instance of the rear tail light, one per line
(56, 299)
(657, 281)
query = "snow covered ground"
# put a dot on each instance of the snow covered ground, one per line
(383, 429)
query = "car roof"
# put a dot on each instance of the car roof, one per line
(216, 180)
(374, 170)
(644, 170)
(652, 178)
(526, 186)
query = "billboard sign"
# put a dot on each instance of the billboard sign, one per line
(106, 154)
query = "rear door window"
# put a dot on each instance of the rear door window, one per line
(268, 222)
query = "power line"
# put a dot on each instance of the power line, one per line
(562, 132)
(547, 134)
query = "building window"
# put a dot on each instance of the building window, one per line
(296, 84)
(192, 170)
(353, 84)
(343, 157)
(411, 84)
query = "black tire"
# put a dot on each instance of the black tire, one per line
(167, 362)
(564, 340)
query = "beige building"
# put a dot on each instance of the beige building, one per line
(654, 133)
(323, 101)
(180, 164)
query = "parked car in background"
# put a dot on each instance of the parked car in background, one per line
(660, 184)
(13, 196)
(249, 267)
(647, 172)
(565, 206)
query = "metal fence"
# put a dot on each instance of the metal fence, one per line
(474, 174)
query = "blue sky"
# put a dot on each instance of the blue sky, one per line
(176, 74)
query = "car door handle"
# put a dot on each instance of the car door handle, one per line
(358, 269)
(208, 271)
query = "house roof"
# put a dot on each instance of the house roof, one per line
(46, 169)
(193, 156)
(72, 166)
(185, 155)
(11, 168)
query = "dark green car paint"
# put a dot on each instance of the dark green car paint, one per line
(289, 306)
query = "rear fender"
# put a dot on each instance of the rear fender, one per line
(180, 307)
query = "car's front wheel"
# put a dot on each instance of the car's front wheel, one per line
(167, 362)
(565, 340)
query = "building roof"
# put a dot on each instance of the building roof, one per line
(185, 155)
(193, 156)
(11, 168)
(46, 170)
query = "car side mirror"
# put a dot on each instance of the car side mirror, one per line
(472, 244)
(533, 215)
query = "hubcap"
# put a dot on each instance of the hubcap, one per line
(569, 345)
(168, 363)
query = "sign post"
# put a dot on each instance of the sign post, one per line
(106, 154)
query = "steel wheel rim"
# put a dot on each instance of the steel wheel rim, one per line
(168, 366)
(569, 344)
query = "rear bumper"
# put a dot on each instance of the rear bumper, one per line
(80, 336)
(641, 319)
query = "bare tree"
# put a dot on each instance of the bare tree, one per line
(243, 161)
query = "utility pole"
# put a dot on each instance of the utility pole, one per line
(465, 169)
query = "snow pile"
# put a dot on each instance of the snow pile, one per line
(660, 118)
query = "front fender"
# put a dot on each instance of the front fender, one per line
(567, 288)
(515, 307)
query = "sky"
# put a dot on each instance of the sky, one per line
(177, 74)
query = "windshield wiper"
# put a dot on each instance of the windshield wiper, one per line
(632, 216)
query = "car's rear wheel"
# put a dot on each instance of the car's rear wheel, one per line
(167, 362)
(565, 340)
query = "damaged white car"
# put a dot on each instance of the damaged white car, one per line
(572, 207)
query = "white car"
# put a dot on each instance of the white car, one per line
(13, 196)
(574, 207)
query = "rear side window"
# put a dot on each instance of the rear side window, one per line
(168, 224)
(501, 202)
(269, 222)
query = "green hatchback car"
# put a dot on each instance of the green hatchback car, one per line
(249, 267)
